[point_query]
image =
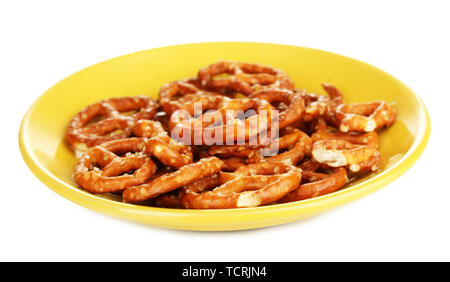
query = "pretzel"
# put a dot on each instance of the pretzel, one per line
(217, 126)
(364, 117)
(337, 153)
(174, 180)
(302, 148)
(320, 184)
(169, 151)
(323, 133)
(244, 78)
(175, 200)
(82, 134)
(369, 165)
(190, 95)
(369, 139)
(335, 96)
(315, 105)
(293, 100)
(247, 190)
(102, 169)
(297, 142)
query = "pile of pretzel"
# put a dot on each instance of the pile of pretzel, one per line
(127, 146)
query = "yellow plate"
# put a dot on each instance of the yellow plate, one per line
(42, 131)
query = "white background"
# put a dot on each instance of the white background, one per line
(44, 41)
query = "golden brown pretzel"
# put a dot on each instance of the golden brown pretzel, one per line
(369, 139)
(336, 153)
(103, 169)
(324, 133)
(364, 117)
(184, 94)
(245, 190)
(224, 124)
(244, 78)
(159, 144)
(174, 180)
(169, 200)
(320, 184)
(82, 133)
(309, 165)
(293, 101)
(369, 165)
(232, 163)
(315, 105)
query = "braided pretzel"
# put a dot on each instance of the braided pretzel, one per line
(247, 190)
(169, 151)
(103, 170)
(171, 181)
(320, 184)
(81, 134)
(364, 117)
(244, 78)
